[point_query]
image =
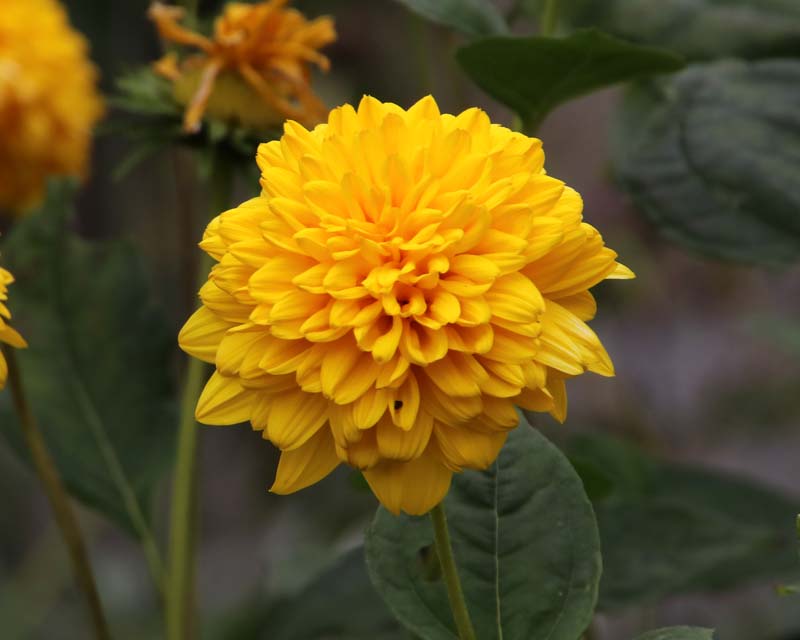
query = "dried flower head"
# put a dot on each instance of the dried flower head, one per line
(256, 69)
(7, 334)
(404, 281)
(48, 100)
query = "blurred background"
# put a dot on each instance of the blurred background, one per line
(707, 356)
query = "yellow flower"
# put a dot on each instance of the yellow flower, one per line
(48, 100)
(7, 334)
(404, 280)
(255, 70)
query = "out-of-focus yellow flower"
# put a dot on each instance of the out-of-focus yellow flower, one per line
(404, 280)
(7, 334)
(48, 100)
(255, 70)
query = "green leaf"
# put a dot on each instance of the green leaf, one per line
(151, 119)
(525, 541)
(678, 633)
(535, 75)
(710, 156)
(324, 608)
(698, 29)
(144, 92)
(471, 17)
(97, 370)
(670, 528)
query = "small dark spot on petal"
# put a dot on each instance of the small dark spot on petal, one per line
(398, 404)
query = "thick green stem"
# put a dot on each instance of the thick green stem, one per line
(549, 20)
(183, 516)
(454, 591)
(57, 496)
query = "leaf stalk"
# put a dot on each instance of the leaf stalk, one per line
(444, 549)
(50, 478)
(183, 515)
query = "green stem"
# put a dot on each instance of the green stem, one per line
(57, 496)
(454, 591)
(183, 516)
(549, 19)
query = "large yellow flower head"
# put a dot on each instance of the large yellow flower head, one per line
(256, 69)
(48, 100)
(7, 334)
(405, 279)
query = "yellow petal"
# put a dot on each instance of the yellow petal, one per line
(535, 400)
(202, 334)
(445, 307)
(396, 443)
(457, 375)
(405, 406)
(414, 487)
(446, 409)
(370, 407)
(306, 465)
(514, 297)
(582, 304)
(558, 390)
(621, 272)
(224, 401)
(239, 346)
(463, 447)
(501, 411)
(421, 345)
(294, 417)
(12, 337)
(475, 268)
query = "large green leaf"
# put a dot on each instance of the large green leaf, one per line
(525, 541)
(712, 157)
(534, 75)
(697, 28)
(678, 633)
(325, 608)
(669, 528)
(97, 370)
(471, 17)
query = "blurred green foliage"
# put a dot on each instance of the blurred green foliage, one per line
(711, 156)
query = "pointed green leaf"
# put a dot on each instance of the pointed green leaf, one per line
(471, 17)
(525, 541)
(535, 75)
(697, 28)
(710, 156)
(678, 633)
(97, 370)
(670, 528)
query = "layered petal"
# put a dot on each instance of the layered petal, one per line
(413, 487)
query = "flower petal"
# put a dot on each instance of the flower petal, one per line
(224, 401)
(306, 465)
(414, 487)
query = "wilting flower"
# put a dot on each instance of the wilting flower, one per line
(256, 69)
(7, 334)
(403, 282)
(48, 100)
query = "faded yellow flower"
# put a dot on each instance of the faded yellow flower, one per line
(256, 69)
(48, 100)
(402, 283)
(7, 334)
